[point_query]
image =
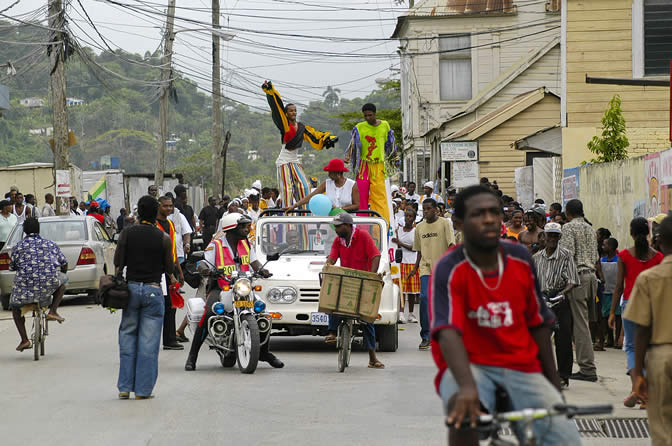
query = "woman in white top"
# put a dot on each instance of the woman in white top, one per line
(410, 284)
(342, 191)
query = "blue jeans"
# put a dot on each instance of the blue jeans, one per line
(424, 307)
(139, 339)
(525, 390)
(629, 341)
(368, 330)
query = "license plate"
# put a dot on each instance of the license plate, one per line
(319, 319)
(243, 304)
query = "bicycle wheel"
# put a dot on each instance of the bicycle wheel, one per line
(343, 346)
(37, 334)
(45, 332)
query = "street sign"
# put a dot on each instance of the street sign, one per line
(459, 151)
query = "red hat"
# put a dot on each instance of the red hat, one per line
(93, 204)
(336, 165)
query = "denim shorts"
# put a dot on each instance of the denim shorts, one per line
(525, 390)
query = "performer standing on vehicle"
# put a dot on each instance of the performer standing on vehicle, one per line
(236, 228)
(372, 144)
(488, 334)
(341, 191)
(357, 250)
(292, 181)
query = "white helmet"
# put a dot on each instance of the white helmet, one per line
(232, 220)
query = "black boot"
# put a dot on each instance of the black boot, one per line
(267, 356)
(199, 337)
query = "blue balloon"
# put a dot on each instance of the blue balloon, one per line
(320, 205)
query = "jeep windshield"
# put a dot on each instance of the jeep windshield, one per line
(305, 238)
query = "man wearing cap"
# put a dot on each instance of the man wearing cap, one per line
(342, 191)
(536, 218)
(428, 190)
(557, 276)
(357, 250)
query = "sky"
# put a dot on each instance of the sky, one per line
(291, 42)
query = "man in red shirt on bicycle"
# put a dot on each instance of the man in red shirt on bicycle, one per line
(489, 333)
(357, 250)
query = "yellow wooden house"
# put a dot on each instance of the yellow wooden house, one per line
(614, 47)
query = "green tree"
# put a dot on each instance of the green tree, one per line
(331, 97)
(612, 145)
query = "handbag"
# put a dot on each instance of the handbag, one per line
(398, 253)
(113, 291)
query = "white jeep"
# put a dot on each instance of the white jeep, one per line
(292, 294)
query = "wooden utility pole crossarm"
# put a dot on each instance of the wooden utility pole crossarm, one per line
(58, 93)
(164, 94)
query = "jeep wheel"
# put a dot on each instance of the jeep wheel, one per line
(388, 337)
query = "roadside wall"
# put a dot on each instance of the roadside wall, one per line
(614, 193)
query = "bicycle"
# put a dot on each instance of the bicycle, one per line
(489, 425)
(40, 328)
(344, 342)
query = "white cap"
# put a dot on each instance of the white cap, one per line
(429, 184)
(553, 228)
(394, 188)
(257, 184)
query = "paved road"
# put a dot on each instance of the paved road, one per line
(70, 398)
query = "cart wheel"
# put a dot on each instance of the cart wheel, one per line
(343, 346)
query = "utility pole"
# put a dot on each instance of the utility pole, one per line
(57, 83)
(164, 94)
(225, 149)
(217, 175)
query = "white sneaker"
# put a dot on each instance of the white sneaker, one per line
(412, 319)
(402, 318)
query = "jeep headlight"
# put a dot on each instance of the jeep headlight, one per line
(242, 288)
(274, 295)
(289, 295)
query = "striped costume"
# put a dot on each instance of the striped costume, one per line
(292, 181)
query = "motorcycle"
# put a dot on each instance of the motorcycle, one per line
(240, 324)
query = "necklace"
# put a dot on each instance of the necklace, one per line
(500, 270)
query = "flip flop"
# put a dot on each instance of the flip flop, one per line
(630, 400)
(376, 365)
(55, 317)
(19, 349)
(331, 339)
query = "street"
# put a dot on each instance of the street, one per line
(70, 396)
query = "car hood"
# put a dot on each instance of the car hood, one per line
(296, 267)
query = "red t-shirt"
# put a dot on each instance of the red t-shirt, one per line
(358, 254)
(494, 324)
(634, 266)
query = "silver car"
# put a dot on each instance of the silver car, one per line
(85, 243)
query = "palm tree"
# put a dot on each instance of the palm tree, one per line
(331, 98)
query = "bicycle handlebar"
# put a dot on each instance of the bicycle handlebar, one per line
(568, 410)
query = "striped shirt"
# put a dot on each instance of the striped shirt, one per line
(556, 271)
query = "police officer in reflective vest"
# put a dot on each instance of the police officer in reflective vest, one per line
(234, 232)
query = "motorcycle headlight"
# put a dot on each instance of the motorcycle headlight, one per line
(218, 308)
(289, 295)
(243, 287)
(274, 295)
(259, 306)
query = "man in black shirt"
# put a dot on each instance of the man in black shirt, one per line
(208, 220)
(181, 204)
(223, 206)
